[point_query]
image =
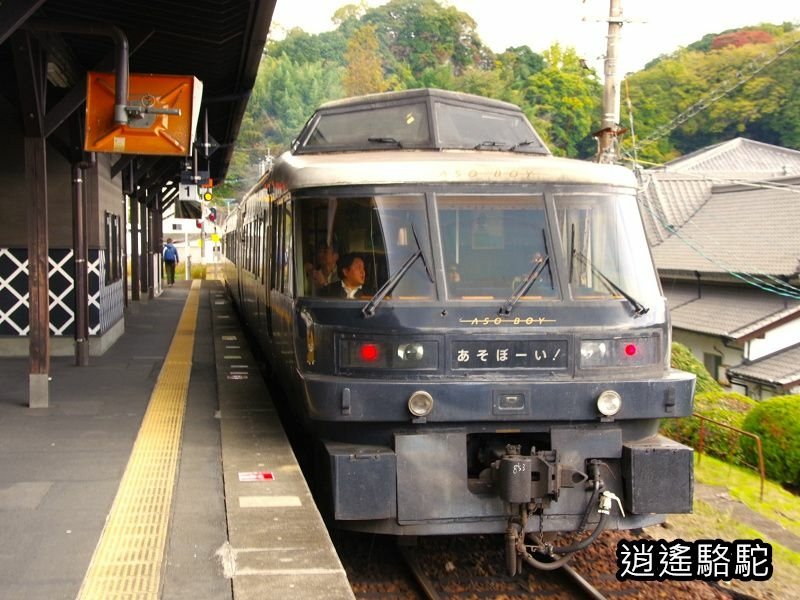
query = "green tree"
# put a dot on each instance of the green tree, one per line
(564, 103)
(302, 47)
(364, 73)
(523, 63)
(423, 34)
(763, 107)
(285, 95)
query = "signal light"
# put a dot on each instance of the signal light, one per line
(212, 214)
(368, 352)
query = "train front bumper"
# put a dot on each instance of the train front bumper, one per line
(421, 485)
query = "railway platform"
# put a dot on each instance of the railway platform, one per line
(159, 471)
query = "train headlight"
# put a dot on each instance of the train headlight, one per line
(410, 352)
(420, 404)
(609, 402)
(594, 353)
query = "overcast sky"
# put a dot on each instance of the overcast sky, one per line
(655, 27)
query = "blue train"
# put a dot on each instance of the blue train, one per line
(470, 329)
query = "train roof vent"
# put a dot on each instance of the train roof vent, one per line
(418, 119)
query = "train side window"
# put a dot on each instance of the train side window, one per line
(277, 244)
(287, 251)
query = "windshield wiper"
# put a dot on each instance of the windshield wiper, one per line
(385, 140)
(489, 144)
(386, 288)
(639, 309)
(525, 143)
(529, 280)
(523, 287)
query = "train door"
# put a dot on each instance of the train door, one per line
(282, 284)
(240, 253)
(263, 287)
(269, 261)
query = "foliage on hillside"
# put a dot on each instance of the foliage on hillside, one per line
(777, 422)
(729, 408)
(759, 104)
(682, 358)
(407, 44)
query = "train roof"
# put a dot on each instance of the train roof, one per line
(295, 172)
(418, 119)
(385, 97)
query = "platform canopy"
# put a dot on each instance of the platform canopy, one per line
(219, 42)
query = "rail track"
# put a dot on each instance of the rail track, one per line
(473, 567)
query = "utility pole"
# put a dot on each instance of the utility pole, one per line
(607, 137)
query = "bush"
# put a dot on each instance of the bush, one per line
(729, 408)
(682, 358)
(198, 271)
(777, 422)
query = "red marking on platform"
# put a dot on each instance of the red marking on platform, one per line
(256, 476)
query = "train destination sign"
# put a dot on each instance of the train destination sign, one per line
(506, 354)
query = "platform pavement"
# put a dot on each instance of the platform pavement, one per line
(60, 467)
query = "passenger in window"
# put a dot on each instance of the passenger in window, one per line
(453, 276)
(352, 275)
(324, 271)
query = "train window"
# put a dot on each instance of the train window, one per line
(605, 246)
(372, 127)
(491, 243)
(276, 245)
(384, 231)
(287, 251)
(465, 127)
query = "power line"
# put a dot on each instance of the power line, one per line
(780, 287)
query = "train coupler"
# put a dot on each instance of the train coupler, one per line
(536, 478)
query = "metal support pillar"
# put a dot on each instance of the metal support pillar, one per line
(135, 264)
(124, 244)
(156, 227)
(144, 254)
(80, 251)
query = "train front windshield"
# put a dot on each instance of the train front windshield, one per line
(493, 246)
(389, 233)
(605, 248)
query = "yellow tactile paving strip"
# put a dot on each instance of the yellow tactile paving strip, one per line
(127, 562)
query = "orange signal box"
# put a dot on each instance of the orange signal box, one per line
(163, 111)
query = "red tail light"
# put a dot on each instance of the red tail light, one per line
(369, 352)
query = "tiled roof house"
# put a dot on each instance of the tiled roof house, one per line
(724, 228)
